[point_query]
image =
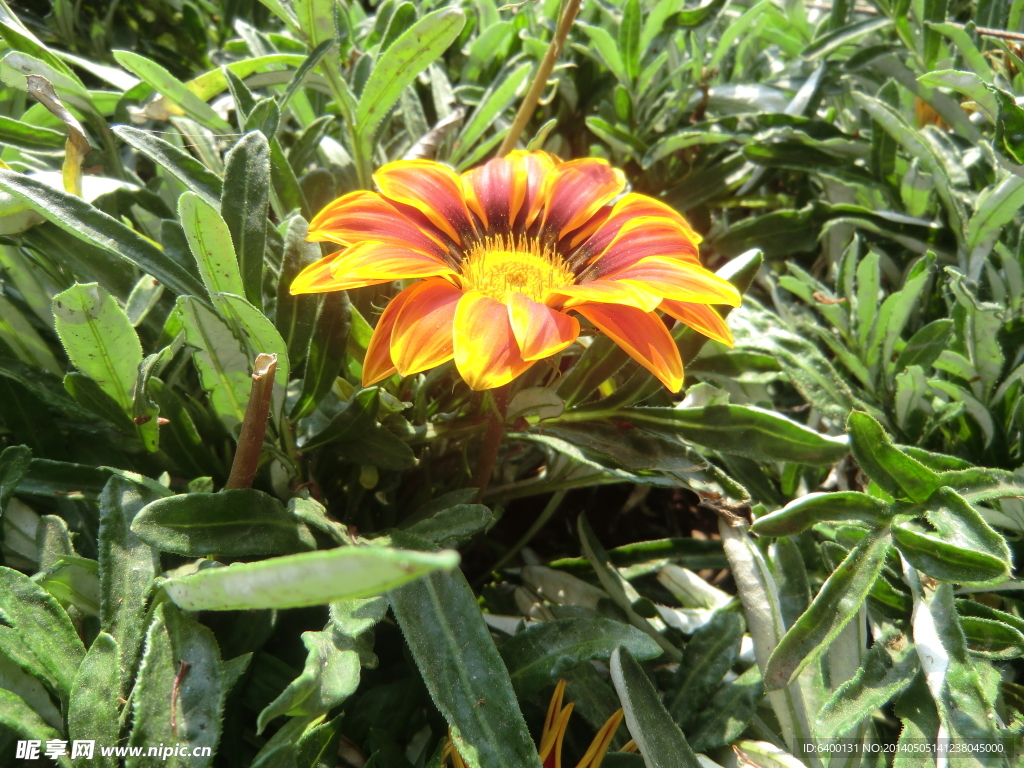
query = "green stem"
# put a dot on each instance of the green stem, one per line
(540, 80)
(553, 504)
(492, 439)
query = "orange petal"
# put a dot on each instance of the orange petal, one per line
(637, 239)
(378, 364)
(576, 190)
(680, 281)
(554, 708)
(643, 336)
(486, 352)
(607, 292)
(362, 216)
(630, 207)
(496, 190)
(599, 746)
(701, 318)
(431, 188)
(536, 166)
(422, 336)
(366, 263)
(550, 751)
(540, 330)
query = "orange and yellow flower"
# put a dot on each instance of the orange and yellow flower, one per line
(555, 724)
(503, 253)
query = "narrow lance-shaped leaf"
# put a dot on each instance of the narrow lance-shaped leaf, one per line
(742, 430)
(244, 206)
(544, 651)
(310, 578)
(19, 717)
(660, 741)
(236, 523)
(99, 339)
(127, 569)
(888, 668)
(210, 241)
(179, 692)
(814, 508)
(326, 353)
(92, 711)
(189, 171)
(405, 58)
(90, 224)
(43, 626)
(616, 586)
(463, 671)
(898, 474)
(835, 605)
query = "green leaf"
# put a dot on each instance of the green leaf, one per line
(962, 549)
(185, 168)
(660, 741)
(160, 79)
(544, 651)
(17, 333)
(849, 33)
(79, 218)
(607, 50)
(495, 101)
(14, 463)
(629, 38)
(330, 675)
(888, 668)
(326, 353)
(621, 591)
(19, 717)
(926, 345)
(296, 315)
(15, 678)
(244, 205)
(92, 710)
(99, 339)
(397, 67)
(454, 525)
(74, 580)
(814, 508)
(31, 137)
(223, 366)
(742, 430)
(235, 523)
(836, 603)
(708, 655)
(352, 423)
(127, 569)
(258, 335)
(597, 364)
(957, 35)
(210, 242)
(726, 714)
(310, 578)
(463, 671)
(992, 639)
(898, 474)
(43, 626)
(1009, 139)
(179, 692)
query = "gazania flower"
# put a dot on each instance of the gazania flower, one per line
(555, 724)
(503, 254)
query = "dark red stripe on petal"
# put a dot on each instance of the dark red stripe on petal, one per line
(433, 189)
(575, 191)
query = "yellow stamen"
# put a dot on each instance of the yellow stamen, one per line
(499, 265)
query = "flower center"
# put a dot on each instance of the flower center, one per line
(499, 265)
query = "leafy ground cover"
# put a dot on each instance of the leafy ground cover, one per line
(213, 534)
